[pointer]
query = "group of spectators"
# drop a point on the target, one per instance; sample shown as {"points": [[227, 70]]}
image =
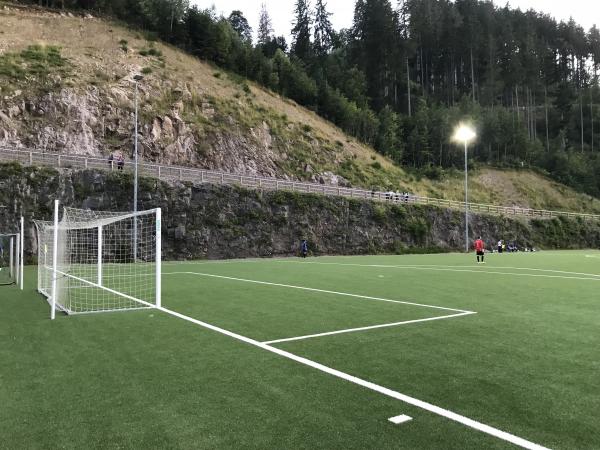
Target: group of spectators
{"points": [[398, 196], [116, 158], [512, 247]]}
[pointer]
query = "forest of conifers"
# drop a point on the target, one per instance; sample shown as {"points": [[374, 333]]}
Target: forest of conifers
{"points": [[405, 73]]}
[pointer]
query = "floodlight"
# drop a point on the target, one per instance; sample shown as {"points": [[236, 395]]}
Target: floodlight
{"points": [[464, 133]]}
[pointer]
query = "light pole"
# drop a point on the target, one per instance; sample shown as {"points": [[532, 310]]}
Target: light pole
{"points": [[465, 134], [136, 78]]}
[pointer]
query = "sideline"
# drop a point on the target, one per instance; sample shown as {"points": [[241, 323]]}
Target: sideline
{"points": [[589, 276]]}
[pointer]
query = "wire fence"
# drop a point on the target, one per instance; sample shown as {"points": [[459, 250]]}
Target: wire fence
{"points": [[176, 173]]}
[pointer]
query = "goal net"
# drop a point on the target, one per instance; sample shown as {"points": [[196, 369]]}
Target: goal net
{"points": [[9, 258], [93, 261]]}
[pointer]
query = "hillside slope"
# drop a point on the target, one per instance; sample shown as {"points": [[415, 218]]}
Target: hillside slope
{"points": [[66, 84]]}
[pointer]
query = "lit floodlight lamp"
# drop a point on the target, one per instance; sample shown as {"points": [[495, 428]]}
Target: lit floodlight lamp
{"points": [[464, 133]]}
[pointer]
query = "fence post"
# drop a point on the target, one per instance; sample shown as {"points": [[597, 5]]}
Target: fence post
{"points": [[159, 172], [202, 176], [31, 158], [58, 161], [86, 163], [180, 175], [222, 178]]}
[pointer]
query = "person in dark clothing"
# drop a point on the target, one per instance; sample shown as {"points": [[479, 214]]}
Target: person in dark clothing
{"points": [[111, 159], [480, 250], [304, 248]]}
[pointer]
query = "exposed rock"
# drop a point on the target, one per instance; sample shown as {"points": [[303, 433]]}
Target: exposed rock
{"points": [[208, 111], [205, 221], [332, 179], [95, 120], [14, 111]]}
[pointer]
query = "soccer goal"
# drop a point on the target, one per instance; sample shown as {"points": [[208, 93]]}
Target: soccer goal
{"points": [[93, 261], [11, 258]]}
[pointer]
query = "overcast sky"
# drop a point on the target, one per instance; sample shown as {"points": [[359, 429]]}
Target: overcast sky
{"points": [[585, 12]]}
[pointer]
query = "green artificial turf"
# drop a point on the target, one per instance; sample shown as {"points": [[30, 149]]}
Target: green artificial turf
{"points": [[527, 363]]}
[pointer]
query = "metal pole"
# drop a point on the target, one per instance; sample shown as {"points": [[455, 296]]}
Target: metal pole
{"points": [[21, 262], [18, 252], [466, 202], [100, 255], [158, 257], [11, 259], [54, 261], [135, 178]]}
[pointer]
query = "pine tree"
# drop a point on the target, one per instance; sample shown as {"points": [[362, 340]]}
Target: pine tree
{"points": [[374, 29], [301, 46], [323, 31], [240, 24], [265, 27]]}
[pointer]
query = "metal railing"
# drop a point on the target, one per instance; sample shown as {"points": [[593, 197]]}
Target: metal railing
{"points": [[177, 173]]}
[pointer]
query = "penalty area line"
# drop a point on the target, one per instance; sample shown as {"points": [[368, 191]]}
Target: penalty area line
{"points": [[372, 327], [324, 291], [503, 435]]}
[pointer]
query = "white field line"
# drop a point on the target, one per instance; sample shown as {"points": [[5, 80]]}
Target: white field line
{"points": [[324, 291], [218, 261], [591, 277], [369, 385], [372, 327], [400, 419], [511, 268]]}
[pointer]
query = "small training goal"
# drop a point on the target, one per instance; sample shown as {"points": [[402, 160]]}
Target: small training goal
{"points": [[11, 258], [92, 261]]}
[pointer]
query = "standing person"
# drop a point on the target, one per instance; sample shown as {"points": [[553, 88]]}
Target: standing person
{"points": [[500, 246], [304, 248], [110, 161], [480, 250]]}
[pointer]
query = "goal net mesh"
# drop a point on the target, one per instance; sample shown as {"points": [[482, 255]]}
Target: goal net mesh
{"points": [[106, 261], [8, 258]]}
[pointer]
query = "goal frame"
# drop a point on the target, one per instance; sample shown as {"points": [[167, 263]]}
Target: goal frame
{"points": [[55, 273], [16, 247]]}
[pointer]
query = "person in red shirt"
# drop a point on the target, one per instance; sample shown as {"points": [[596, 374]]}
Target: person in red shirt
{"points": [[480, 250]]}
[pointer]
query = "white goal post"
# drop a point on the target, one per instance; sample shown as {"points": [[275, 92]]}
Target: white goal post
{"points": [[92, 261], [11, 257]]}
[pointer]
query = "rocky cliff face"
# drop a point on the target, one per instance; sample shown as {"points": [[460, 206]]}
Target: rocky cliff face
{"points": [[67, 84], [205, 221]]}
